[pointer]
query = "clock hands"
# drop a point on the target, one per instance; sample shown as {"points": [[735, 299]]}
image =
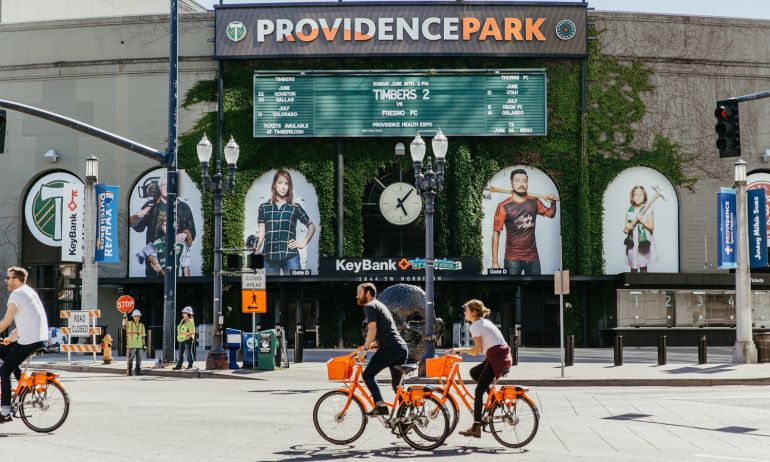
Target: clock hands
{"points": [[401, 202]]}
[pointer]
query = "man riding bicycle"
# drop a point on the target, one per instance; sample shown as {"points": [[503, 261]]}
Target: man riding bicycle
{"points": [[383, 335], [26, 309]]}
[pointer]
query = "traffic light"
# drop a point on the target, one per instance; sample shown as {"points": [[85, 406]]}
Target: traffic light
{"points": [[256, 261], [2, 130], [233, 262], [728, 128]]}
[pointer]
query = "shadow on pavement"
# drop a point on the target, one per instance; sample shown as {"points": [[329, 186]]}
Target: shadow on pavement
{"points": [[288, 392], [709, 370], [646, 418], [308, 452]]}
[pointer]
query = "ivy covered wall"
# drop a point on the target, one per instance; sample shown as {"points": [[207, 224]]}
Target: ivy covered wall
{"points": [[581, 167]]}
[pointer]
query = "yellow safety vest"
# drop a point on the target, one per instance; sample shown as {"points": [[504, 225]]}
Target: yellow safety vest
{"points": [[184, 327], [135, 334]]}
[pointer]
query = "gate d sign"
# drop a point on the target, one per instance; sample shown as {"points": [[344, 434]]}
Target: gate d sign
{"points": [[79, 324]]}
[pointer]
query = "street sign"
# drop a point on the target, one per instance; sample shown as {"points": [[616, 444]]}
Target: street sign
{"points": [[254, 301], [79, 324], [561, 284], [253, 281], [125, 304], [500, 103]]}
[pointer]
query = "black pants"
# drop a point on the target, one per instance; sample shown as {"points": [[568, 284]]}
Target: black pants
{"points": [[483, 375], [387, 356], [4, 350], [12, 361], [189, 345]]}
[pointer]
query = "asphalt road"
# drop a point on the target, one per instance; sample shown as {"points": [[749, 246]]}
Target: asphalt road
{"points": [[158, 418]]}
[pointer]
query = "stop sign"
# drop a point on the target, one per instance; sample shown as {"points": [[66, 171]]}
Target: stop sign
{"points": [[125, 304]]}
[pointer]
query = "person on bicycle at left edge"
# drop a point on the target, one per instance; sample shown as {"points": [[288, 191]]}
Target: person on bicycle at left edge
{"points": [[383, 335], [26, 309]]}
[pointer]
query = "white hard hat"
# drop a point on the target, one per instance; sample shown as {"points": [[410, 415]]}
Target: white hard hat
{"points": [[136, 313], [187, 309]]}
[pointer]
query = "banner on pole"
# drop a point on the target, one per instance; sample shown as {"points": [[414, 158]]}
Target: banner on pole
{"points": [[726, 258], [757, 228], [107, 223], [72, 222]]}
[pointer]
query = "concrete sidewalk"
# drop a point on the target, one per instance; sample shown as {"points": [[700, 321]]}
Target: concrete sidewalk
{"points": [[537, 367]]}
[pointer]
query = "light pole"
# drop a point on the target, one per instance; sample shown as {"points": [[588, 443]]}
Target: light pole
{"points": [[744, 350], [217, 358], [428, 184], [89, 275]]}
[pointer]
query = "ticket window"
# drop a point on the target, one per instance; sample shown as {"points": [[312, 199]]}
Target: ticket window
{"points": [[720, 308], [760, 313], [630, 308], [655, 310]]}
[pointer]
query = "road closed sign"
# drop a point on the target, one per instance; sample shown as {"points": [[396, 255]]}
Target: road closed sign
{"points": [[79, 323], [126, 304]]}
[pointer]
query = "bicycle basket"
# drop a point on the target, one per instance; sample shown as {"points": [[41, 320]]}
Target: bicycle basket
{"points": [[441, 366], [340, 368]]}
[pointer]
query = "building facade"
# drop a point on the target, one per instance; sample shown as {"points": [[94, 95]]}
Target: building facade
{"points": [[633, 109]]}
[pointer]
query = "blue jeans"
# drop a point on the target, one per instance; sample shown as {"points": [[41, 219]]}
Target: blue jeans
{"points": [[275, 267], [515, 267], [188, 344], [135, 353], [388, 356]]}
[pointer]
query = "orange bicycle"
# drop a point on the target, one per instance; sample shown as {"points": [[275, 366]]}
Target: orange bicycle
{"points": [[509, 413], [340, 416], [39, 399]]}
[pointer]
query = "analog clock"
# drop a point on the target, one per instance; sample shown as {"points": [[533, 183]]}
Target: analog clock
{"points": [[400, 203]]}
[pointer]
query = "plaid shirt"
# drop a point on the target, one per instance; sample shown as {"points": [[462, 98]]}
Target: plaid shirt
{"points": [[280, 227]]}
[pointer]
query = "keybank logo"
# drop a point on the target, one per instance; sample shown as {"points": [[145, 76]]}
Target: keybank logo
{"points": [[46, 206], [236, 31], [366, 265]]}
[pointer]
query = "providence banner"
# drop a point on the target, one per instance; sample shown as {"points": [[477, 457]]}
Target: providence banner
{"points": [[107, 223], [726, 229]]}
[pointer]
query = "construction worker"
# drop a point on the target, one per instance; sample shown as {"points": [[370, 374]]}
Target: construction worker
{"points": [[185, 335], [136, 336]]}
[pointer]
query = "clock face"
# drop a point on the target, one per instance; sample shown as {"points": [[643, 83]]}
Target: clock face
{"points": [[400, 203]]}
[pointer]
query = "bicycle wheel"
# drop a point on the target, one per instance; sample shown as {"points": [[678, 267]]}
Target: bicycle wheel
{"points": [[514, 423], [453, 410], [44, 409], [424, 427], [334, 427]]}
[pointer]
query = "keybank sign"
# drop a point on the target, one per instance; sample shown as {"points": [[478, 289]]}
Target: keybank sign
{"points": [[495, 29], [395, 266]]}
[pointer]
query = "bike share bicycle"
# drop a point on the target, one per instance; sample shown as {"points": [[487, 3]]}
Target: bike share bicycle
{"points": [[39, 399], [509, 414], [340, 416]]}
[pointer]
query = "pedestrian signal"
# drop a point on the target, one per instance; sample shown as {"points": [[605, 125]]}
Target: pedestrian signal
{"points": [[234, 262], [728, 128], [256, 261]]}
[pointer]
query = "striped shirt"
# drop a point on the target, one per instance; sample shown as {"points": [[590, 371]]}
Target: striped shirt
{"points": [[281, 227]]}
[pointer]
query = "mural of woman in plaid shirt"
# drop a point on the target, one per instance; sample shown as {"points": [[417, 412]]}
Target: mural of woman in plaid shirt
{"points": [[277, 227]]}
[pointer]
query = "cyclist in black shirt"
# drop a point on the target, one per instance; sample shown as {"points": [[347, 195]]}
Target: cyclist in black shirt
{"points": [[383, 335]]}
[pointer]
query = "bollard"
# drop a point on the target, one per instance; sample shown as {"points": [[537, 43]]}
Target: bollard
{"points": [[122, 341], [619, 350], [662, 350], [514, 354], [150, 347], [569, 355], [702, 350], [298, 347]]}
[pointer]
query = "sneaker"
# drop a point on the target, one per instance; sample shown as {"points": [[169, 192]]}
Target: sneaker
{"points": [[139, 372], [177, 368], [129, 373], [5, 418], [379, 411]]}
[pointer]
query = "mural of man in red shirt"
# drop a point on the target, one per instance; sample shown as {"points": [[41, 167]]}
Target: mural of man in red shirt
{"points": [[518, 214]]}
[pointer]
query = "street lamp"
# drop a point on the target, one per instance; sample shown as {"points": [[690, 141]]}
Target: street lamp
{"points": [[428, 184], [744, 350], [89, 275], [217, 358]]}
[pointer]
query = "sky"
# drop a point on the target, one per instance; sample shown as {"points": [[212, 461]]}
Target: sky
{"points": [[757, 9]]}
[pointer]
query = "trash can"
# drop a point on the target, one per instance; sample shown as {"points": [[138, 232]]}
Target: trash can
{"points": [[247, 347], [762, 341], [233, 344], [266, 349]]}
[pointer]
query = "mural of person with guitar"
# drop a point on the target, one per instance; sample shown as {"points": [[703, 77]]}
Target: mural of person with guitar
{"points": [[639, 228]]}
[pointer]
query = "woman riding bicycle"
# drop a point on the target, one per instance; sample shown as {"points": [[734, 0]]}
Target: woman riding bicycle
{"points": [[488, 339]]}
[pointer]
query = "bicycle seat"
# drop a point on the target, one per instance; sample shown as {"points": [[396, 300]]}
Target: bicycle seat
{"points": [[406, 368]]}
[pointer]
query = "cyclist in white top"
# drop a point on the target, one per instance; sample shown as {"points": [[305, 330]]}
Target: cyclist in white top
{"points": [[26, 309], [487, 339]]}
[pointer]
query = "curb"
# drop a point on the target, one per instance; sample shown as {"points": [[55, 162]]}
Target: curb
{"points": [[554, 382]]}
